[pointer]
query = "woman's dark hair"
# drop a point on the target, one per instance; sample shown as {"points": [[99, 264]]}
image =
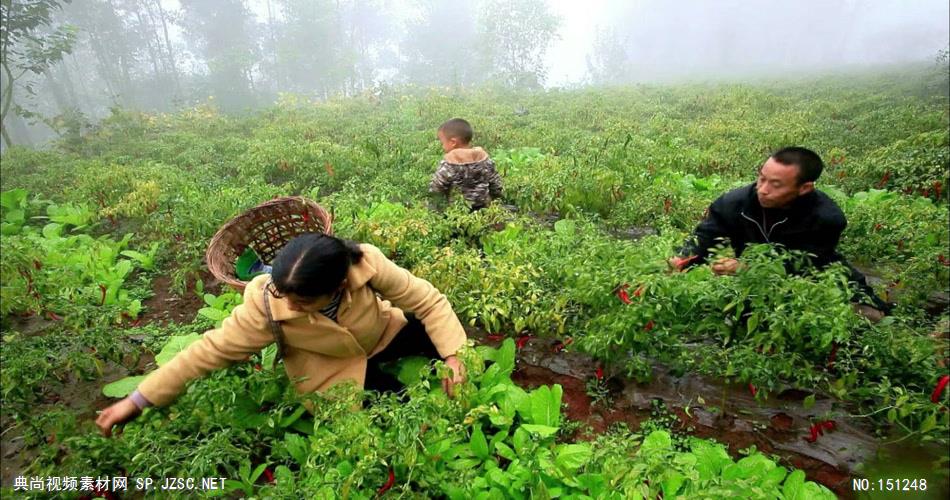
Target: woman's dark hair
{"points": [[313, 264]]}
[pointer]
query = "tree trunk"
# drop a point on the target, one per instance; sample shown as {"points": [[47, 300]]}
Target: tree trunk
{"points": [[7, 102], [169, 50], [6, 136]]}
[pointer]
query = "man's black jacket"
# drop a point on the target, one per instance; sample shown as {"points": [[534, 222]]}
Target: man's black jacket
{"points": [[813, 224]]}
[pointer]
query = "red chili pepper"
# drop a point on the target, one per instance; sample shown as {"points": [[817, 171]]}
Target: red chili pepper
{"points": [[814, 432], [306, 216], [103, 290], [389, 483], [638, 292], [649, 326], [37, 264], [268, 475], [681, 262], [884, 178], [137, 322], [667, 204], [833, 355], [522, 340], [818, 429], [560, 345], [938, 189], [878, 226], [257, 367], [926, 192], [599, 373], [623, 296], [53, 316], [753, 390], [941, 385], [900, 245], [496, 337], [943, 260]]}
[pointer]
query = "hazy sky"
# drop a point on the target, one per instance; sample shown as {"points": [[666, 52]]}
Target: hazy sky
{"points": [[690, 37], [686, 38]]}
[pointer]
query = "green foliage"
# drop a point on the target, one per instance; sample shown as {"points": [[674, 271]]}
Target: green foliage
{"points": [[600, 186], [219, 307]]}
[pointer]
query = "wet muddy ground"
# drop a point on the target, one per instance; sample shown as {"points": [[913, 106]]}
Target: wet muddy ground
{"points": [[702, 407], [728, 413]]}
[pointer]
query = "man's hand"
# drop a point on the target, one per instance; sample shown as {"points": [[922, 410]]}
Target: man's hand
{"points": [[725, 266], [458, 375], [118, 413], [873, 315]]}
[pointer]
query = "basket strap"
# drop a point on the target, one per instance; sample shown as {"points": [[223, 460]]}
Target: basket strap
{"points": [[276, 330]]}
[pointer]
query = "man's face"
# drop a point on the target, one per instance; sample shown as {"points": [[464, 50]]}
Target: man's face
{"points": [[448, 143], [778, 187]]}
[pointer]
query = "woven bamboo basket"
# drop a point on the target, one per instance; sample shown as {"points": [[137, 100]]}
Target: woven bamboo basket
{"points": [[265, 228]]}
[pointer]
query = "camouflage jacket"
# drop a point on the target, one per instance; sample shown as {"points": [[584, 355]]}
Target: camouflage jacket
{"points": [[472, 172]]}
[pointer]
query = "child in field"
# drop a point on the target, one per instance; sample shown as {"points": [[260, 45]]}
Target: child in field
{"points": [[467, 168]]}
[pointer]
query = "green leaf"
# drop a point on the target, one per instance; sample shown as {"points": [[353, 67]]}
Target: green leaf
{"points": [[794, 484], [545, 405], [411, 368], [123, 387], [245, 414], [672, 483], [929, 423], [16, 216], [175, 345], [7, 229], [213, 314], [52, 231], [710, 458], [541, 430], [14, 198], [595, 484], [505, 359], [297, 447], [478, 443], [293, 417], [565, 227], [505, 451], [809, 401], [521, 440], [572, 456], [774, 477], [656, 441], [257, 472]]}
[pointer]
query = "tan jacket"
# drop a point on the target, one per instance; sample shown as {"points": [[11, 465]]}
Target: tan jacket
{"points": [[320, 350]]}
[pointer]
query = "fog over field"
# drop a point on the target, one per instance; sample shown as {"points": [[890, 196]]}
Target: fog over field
{"points": [[160, 55]]}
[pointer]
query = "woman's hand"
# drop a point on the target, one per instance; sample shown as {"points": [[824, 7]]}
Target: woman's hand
{"points": [[458, 375], [118, 413]]}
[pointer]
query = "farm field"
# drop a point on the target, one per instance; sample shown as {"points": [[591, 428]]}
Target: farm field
{"points": [[595, 372]]}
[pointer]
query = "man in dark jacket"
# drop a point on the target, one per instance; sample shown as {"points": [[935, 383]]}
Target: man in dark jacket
{"points": [[781, 207]]}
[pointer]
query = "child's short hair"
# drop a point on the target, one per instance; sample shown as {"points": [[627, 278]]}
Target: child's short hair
{"points": [[457, 128]]}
